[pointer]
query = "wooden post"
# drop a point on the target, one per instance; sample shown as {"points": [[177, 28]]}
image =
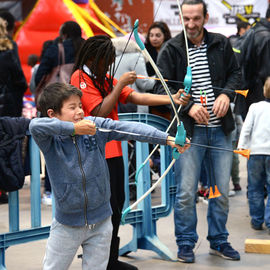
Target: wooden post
{"points": [[257, 246]]}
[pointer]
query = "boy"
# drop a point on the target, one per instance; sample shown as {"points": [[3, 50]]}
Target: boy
{"points": [[255, 135], [79, 175]]}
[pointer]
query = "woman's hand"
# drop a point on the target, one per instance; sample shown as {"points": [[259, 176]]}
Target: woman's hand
{"points": [[181, 97]]}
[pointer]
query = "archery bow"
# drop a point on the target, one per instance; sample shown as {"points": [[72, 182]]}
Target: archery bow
{"points": [[187, 84], [180, 137]]}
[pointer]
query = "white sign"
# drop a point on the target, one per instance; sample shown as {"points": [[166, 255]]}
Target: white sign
{"points": [[222, 14]]}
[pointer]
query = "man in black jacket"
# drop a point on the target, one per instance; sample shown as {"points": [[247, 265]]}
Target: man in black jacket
{"points": [[213, 65], [255, 58]]}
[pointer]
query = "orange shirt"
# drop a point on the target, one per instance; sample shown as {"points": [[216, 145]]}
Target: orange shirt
{"points": [[91, 98]]}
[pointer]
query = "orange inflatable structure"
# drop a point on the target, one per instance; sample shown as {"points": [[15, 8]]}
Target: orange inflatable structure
{"points": [[44, 21]]}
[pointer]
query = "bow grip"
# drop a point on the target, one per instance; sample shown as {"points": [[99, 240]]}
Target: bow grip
{"points": [[188, 80], [180, 139]]}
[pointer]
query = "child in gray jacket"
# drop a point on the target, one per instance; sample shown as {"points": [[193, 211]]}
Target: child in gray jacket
{"points": [[74, 151], [255, 136]]}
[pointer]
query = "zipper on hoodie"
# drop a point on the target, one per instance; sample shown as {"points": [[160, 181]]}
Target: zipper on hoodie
{"points": [[83, 180]]}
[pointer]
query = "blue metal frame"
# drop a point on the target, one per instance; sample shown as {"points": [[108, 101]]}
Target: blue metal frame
{"points": [[144, 218]]}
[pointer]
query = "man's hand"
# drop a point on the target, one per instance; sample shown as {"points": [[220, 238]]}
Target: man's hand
{"points": [[181, 150], [85, 127], [181, 97], [221, 105], [199, 114]]}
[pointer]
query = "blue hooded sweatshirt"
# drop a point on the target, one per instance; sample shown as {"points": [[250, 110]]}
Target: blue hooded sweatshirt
{"points": [[77, 167]]}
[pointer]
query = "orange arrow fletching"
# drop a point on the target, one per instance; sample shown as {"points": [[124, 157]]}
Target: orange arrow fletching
{"points": [[244, 153], [242, 92], [214, 194], [217, 193], [211, 194]]}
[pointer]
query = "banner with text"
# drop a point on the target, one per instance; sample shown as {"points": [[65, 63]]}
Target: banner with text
{"points": [[223, 15]]}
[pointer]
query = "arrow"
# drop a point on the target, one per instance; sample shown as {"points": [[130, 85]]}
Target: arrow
{"points": [[245, 153], [241, 92]]}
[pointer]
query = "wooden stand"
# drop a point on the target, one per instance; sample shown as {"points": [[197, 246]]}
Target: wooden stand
{"points": [[257, 246]]}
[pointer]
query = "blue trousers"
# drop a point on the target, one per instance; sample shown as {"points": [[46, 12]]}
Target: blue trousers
{"points": [[187, 174], [258, 177]]}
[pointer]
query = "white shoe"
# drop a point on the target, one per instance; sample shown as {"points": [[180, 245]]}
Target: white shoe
{"points": [[47, 198], [231, 193]]}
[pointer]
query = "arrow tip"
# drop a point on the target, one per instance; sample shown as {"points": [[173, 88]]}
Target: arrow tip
{"points": [[245, 153], [242, 92]]}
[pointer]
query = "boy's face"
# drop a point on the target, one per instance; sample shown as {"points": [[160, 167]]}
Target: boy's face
{"points": [[71, 110]]}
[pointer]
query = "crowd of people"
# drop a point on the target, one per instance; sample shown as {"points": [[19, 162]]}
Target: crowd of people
{"points": [[101, 81]]}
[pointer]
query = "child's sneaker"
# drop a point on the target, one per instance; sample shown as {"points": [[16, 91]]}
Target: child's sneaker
{"points": [[47, 198]]}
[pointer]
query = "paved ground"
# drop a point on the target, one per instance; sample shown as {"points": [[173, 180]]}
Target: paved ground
{"points": [[29, 256]]}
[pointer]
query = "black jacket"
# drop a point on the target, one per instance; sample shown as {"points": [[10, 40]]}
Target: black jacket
{"points": [[12, 133], [224, 71], [12, 84], [254, 59]]}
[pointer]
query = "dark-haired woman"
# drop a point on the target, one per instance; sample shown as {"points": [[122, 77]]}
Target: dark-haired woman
{"points": [[94, 70], [158, 33]]}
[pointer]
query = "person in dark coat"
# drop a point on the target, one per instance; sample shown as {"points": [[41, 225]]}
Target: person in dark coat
{"points": [[255, 59], [12, 81], [70, 35]]}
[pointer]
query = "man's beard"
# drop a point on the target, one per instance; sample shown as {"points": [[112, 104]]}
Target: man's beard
{"points": [[194, 35]]}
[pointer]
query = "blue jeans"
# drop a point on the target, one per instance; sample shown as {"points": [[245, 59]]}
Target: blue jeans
{"points": [[64, 242], [187, 175], [258, 177]]}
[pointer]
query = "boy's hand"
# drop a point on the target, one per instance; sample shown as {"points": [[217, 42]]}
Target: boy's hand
{"points": [[181, 150], [181, 97], [85, 127], [127, 78]]}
